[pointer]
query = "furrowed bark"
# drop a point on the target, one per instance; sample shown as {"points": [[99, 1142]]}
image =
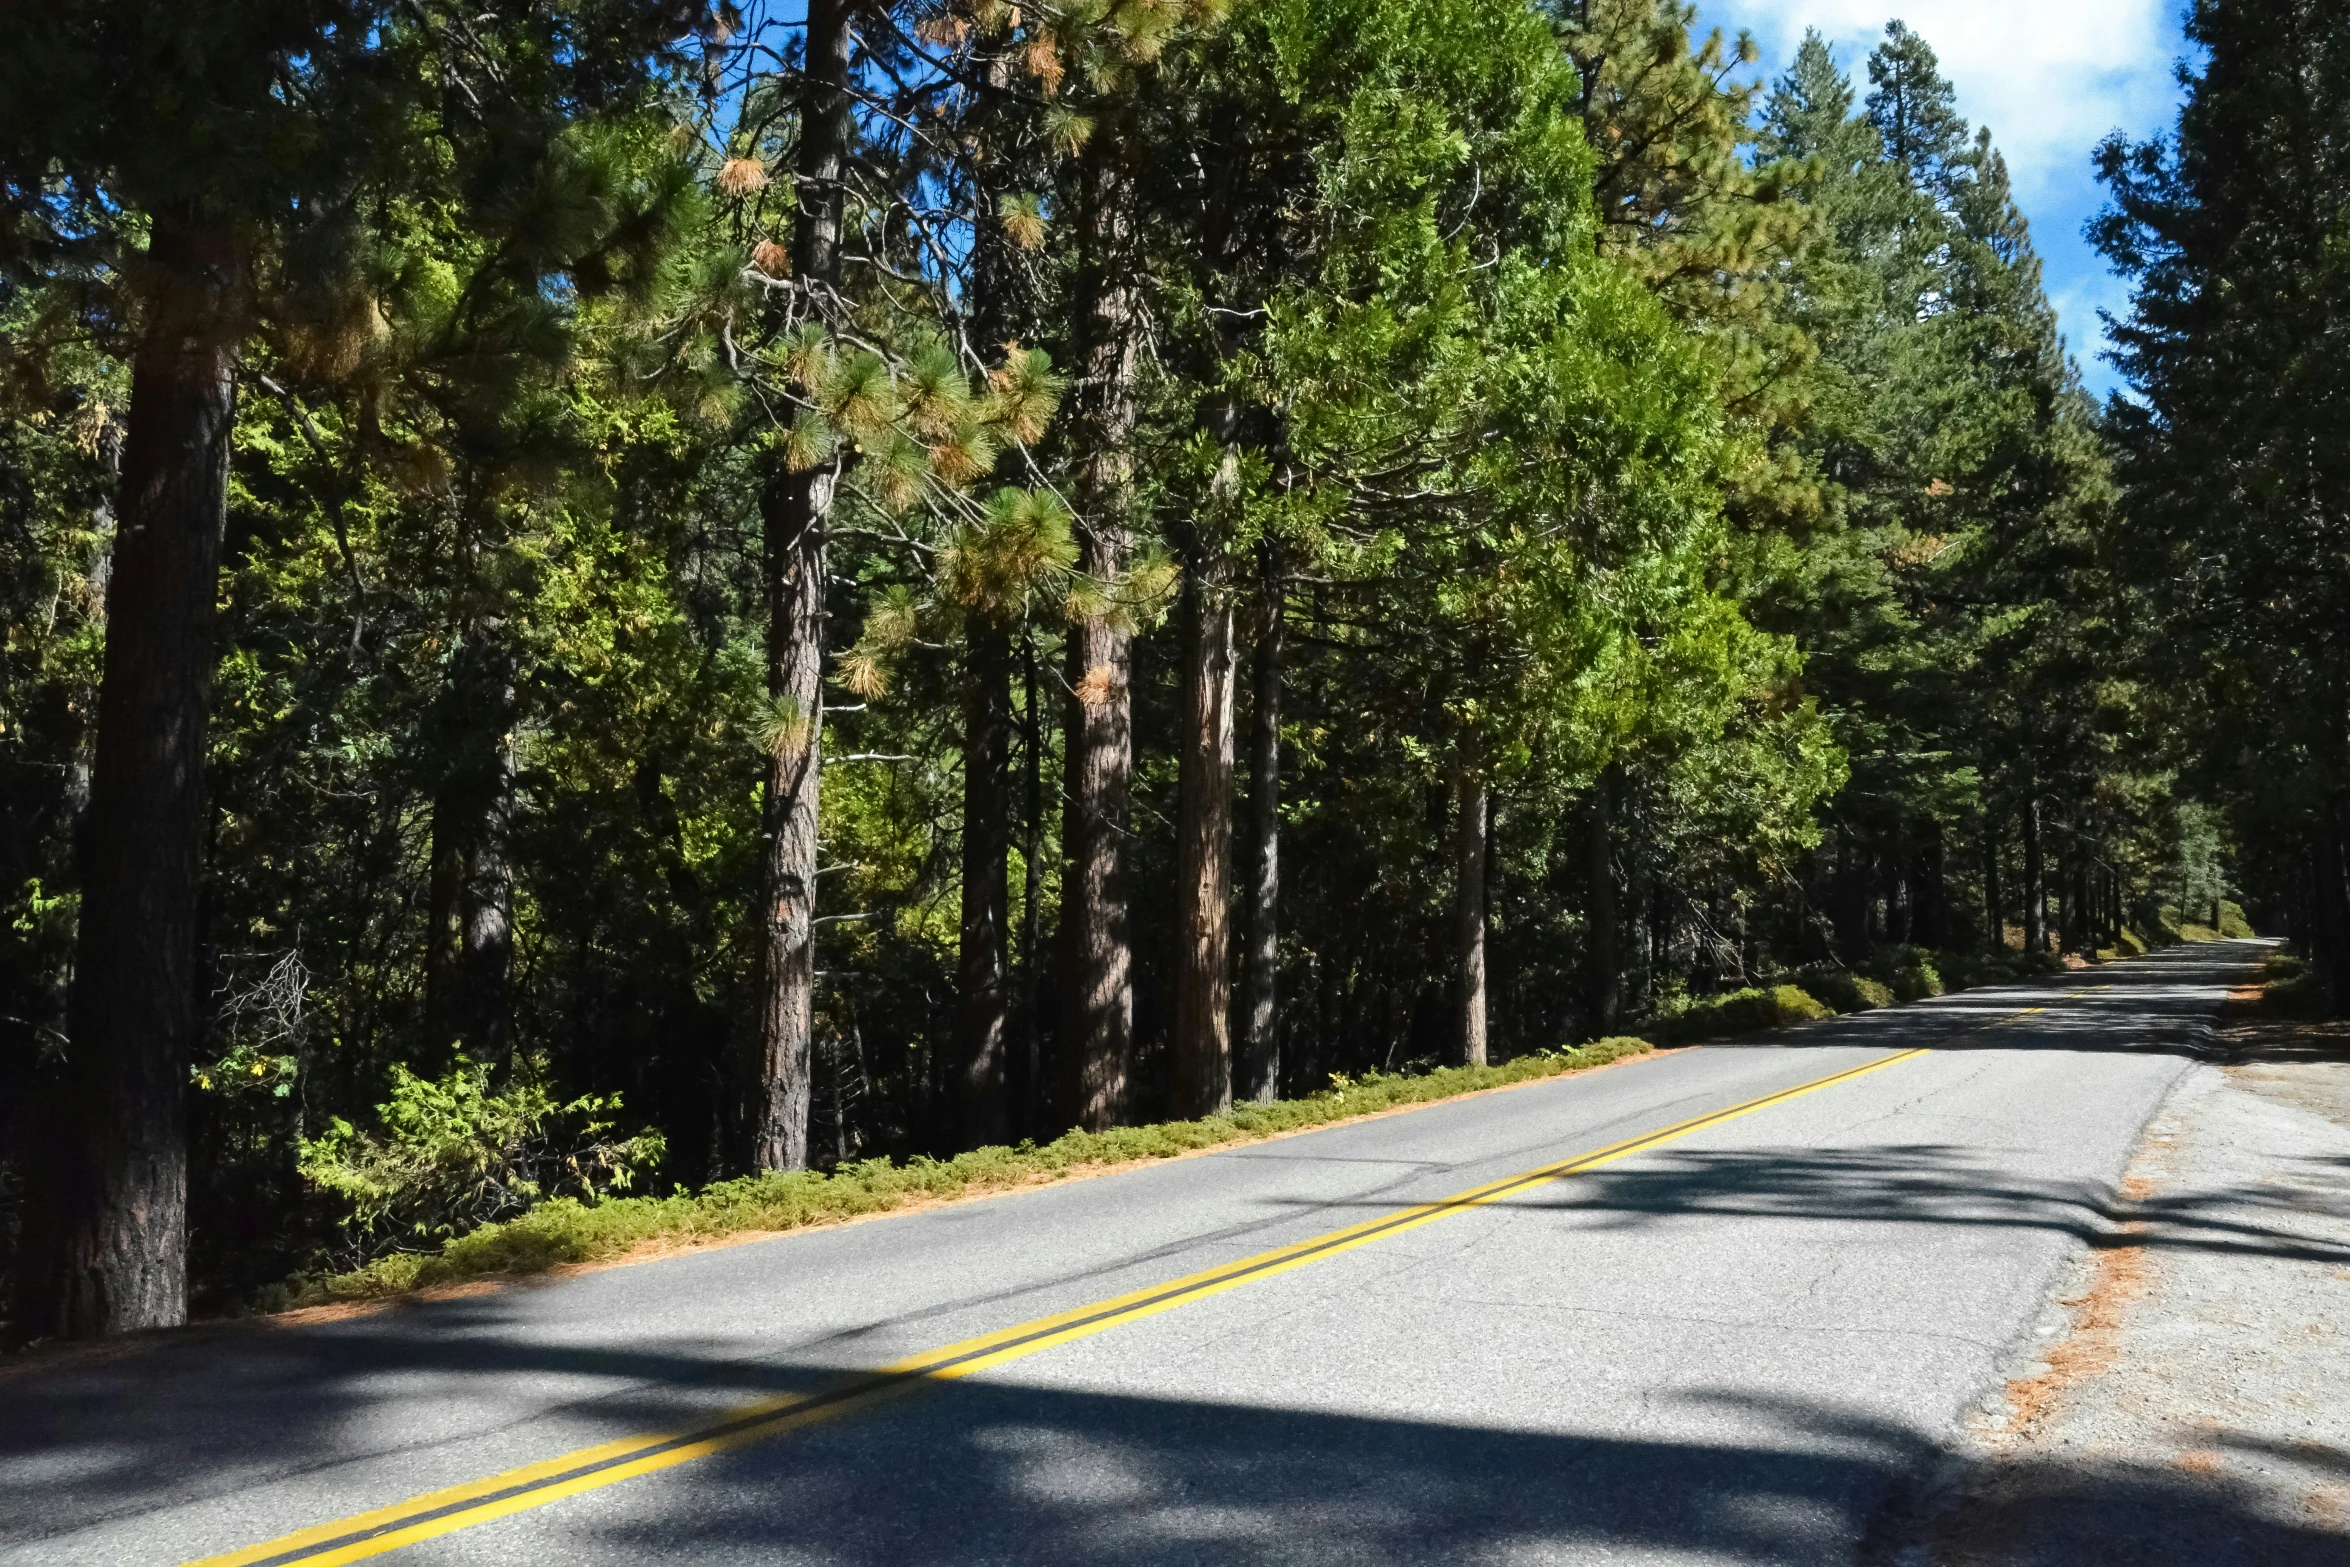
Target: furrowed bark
{"points": [[795, 508], [1203, 852], [1097, 992], [987, 843], [1471, 803], [120, 1237], [1260, 1042]]}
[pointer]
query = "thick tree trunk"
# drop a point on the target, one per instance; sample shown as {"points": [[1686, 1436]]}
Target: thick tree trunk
{"points": [[794, 509], [119, 1257], [980, 1024], [1471, 802], [1203, 847], [1097, 992], [2035, 882], [1260, 1043], [1607, 966]]}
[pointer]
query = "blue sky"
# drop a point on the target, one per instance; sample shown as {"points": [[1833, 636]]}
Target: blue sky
{"points": [[2050, 77]]}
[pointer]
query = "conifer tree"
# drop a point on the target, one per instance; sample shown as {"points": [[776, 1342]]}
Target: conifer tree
{"points": [[277, 121]]}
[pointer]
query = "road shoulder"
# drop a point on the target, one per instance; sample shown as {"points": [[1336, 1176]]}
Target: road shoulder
{"points": [[2185, 1402]]}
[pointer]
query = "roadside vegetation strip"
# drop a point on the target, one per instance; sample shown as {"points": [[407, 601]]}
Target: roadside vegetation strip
{"points": [[436, 1513], [566, 1231]]}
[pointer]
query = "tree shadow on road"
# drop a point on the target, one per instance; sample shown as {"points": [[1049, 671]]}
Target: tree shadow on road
{"points": [[971, 1472], [1940, 1185]]}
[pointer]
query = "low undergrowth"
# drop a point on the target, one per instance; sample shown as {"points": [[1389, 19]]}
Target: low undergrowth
{"points": [[2292, 988], [1739, 1012], [567, 1230]]}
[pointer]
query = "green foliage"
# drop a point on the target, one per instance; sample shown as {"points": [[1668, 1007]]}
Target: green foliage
{"points": [[1694, 462], [1910, 972], [450, 1154], [1745, 1011], [1841, 990]]}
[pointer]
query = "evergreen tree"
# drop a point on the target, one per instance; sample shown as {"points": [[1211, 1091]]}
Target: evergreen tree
{"points": [[249, 172], [2236, 497]]}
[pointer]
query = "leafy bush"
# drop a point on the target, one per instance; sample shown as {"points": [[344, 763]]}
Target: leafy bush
{"points": [[1908, 971], [452, 1156], [1844, 991], [1740, 1012], [2185, 927], [593, 1227]]}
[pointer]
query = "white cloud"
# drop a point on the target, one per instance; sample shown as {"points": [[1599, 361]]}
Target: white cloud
{"points": [[2050, 77]]}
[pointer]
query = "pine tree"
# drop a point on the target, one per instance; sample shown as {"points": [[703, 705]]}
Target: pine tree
{"points": [[280, 122], [2237, 503]]}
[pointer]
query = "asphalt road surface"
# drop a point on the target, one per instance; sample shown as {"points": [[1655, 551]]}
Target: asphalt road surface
{"points": [[1717, 1331]]}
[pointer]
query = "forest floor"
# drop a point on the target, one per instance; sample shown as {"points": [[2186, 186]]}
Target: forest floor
{"points": [[2186, 1403]]}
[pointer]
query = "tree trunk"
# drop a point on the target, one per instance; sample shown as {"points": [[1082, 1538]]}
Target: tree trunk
{"points": [[2332, 907], [1994, 908], [1097, 994], [987, 722], [1607, 967], [1203, 847], [1929, 915], [2035, 882], [1260, 1046], [471, 888], [1025, 1070], [119, 1257], [794, 508], [1471, 803]]}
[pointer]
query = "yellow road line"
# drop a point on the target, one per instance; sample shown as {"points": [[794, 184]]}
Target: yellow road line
{"points": [[445, 1511]]}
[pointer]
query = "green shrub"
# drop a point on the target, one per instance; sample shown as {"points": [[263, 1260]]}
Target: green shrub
{"points": [[1908, 971], [1739, 1012], [1844, 991], [570, 1229], [451, 1156]]}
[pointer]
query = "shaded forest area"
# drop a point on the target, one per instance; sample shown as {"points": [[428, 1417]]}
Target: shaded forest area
{"points": [[606, 595]]}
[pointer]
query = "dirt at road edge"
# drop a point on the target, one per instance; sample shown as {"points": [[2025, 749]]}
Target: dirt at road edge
{"points": [[2192, 1406]]}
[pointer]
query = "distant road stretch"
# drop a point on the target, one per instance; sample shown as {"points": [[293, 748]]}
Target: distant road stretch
{"points": [[1723, 1304]]}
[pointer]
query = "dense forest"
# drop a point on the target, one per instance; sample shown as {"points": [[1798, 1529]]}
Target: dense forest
{"points": [[613, 594]]}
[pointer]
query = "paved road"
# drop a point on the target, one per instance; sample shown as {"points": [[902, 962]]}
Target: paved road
{"points": [[1743, 1343]]}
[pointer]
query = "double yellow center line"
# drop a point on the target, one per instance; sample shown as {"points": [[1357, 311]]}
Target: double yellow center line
{"points": [[535, 1485]]}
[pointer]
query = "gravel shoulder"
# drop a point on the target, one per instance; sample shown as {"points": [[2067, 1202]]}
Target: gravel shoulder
{"points": [[2189, 1401]]}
